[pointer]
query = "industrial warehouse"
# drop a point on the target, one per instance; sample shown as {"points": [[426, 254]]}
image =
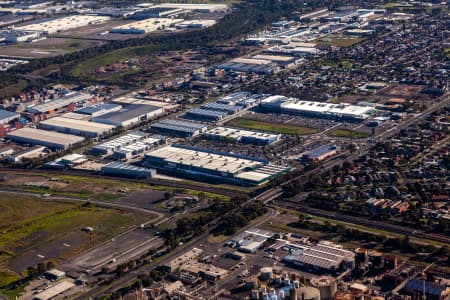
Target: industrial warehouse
{"points": [[125, 170], [77, 127], [130, 115], [282, 104], [178, 128], [146, 26], [50, 139], [210, 165], [244, 136], [62, 24], [57, 105], [8, 116], [116, 144], [324, 257]]}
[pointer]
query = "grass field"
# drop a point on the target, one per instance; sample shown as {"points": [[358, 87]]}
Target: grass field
{"points": [[349, 134], [271, 127], [84, 69], [29, 224], [340, 41]]}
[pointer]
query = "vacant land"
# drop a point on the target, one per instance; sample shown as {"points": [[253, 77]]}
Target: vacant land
{"points": [[349, 134], [271, 127], [33, 230]]}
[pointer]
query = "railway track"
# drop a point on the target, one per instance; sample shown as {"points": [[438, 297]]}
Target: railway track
{"points": [[150, 182], [364, 222]]}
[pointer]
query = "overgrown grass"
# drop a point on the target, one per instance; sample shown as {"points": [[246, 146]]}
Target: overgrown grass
{"points": [[85, 69], [350, 134], [271, 127], [27, 223], [339, 41]]}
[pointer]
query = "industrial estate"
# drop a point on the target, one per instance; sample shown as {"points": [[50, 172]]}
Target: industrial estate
{"points": [[263, 150]]}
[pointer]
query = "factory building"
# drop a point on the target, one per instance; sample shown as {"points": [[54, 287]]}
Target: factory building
{"points": [[125, 170], [32, 152], [202, 164], [229, 109], [282, 104], [131, 115], [67, 161], [195, 24], [179, 261], [321, 153], [204, 115], [234, 98], [55, 290], [8, 116], [116, 144], [200, 7], [137, 148], [323, 257], [77, 127], [146, 26], [62, 24], [99, 109], [59, 104], [194, 271], [178, 128], [50, 139], [158, 12], [244, 136], [249, 65], [13, 36]]}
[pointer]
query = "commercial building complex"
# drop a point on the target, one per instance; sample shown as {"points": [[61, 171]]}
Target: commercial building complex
{"points": [[116, 144], [50, 139], [202, 164], [346, 111], [77, 127], [321, 153], [130, 115], [137, 148], [178, 128], [244, 136]]}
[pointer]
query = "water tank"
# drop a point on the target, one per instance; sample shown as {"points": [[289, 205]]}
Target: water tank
{"points": [[307, 293], [266, 273], [326, 285]]}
